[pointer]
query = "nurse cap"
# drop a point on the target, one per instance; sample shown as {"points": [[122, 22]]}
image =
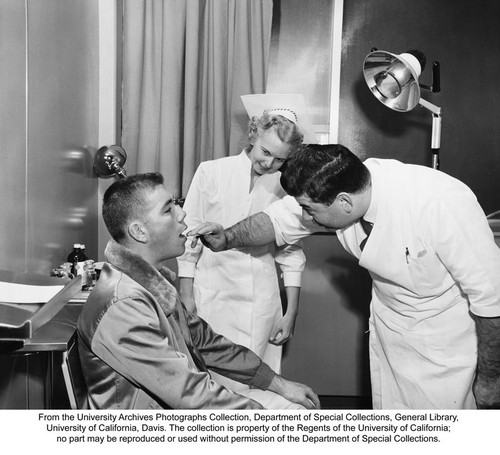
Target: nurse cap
{"points": [[291, 106]]}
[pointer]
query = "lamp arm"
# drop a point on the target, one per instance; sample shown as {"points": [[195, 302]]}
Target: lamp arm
{"points": [[430, 107], [436, 130]]}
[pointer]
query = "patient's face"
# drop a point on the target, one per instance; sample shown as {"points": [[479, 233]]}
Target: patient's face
{"points": [[164, 222], [268, 152]]}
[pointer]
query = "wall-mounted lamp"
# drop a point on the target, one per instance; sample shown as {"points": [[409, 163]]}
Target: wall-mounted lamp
{"points": [[393, 80], [109, 161]]}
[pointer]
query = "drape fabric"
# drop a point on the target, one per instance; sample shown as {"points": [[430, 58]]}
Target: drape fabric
{"points": [[185, 65]]}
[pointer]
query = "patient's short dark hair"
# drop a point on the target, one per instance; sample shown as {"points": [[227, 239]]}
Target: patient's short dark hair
{"points": [[126, 199], [321, 172]]}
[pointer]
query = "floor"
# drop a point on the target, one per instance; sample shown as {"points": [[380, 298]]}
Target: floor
{"points": [[345, 402]]}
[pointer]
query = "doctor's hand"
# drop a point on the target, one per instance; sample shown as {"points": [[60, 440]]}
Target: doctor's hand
{"points": [[487, 392], [295, 392], [212, 235], [486, 385]]}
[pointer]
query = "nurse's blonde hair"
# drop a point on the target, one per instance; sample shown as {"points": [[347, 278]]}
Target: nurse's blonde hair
{"points": [[287, 131]]}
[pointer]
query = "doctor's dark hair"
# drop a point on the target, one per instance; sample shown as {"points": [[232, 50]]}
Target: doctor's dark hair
{"points": [[125, 200], [321, 172], [287, 131]]}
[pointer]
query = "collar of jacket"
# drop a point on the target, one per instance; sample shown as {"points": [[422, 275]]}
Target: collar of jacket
{"points": [[157, 282]]}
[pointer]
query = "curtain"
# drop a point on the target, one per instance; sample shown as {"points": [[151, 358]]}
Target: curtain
{"points": [[185, 65]]}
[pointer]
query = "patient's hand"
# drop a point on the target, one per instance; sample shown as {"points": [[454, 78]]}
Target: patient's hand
{"points": [[212, 235], [295, 392]]}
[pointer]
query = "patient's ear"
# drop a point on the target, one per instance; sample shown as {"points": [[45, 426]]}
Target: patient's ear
{"points": [[138, 232]]}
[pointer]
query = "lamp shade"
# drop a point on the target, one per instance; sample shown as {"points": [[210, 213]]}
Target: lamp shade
{"points": [[393, 79], [109, 161]]}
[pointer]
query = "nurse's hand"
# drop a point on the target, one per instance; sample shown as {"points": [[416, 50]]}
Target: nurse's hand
{"points": [[282, 331], [212, 235], [295, 392]]}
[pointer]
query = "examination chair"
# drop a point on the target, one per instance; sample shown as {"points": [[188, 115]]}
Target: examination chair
{"points": [[73, 376]]}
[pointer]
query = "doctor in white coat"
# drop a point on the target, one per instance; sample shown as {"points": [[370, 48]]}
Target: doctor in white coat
{"points": [[435, 310], [237, 292]]}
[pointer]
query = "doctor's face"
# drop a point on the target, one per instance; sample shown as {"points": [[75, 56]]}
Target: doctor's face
{"points": [[268, 152], [164, 222], [333, 216]]}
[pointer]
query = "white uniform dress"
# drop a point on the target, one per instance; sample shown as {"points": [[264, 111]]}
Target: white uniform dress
{"points": [[432, 257], [237, 291]]}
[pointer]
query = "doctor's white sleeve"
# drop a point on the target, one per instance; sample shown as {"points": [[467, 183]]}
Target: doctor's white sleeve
{"points": [[194, 206], [465, 244], [286, 217]]}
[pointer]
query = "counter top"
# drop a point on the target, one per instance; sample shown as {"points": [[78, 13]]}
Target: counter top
{"points": [[55, 334]]}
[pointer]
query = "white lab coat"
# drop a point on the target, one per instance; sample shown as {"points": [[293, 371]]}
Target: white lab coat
{"points": [[237, 291], [432, 257]]}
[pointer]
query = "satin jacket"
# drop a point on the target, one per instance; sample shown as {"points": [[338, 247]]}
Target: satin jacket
{"points": [[141, 349]]}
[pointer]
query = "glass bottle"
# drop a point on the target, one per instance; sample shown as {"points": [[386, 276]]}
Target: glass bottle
{"points": [[77, 258], [89, 277], [83, 259]]}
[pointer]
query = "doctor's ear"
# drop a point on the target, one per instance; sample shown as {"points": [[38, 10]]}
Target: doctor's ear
{"points": [[138, 232], [345, 201]]}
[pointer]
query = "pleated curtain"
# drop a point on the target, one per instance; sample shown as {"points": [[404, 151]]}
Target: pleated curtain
{"points": [[185, 65]]}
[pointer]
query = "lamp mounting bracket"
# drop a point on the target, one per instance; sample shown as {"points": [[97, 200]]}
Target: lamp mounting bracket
{"points": [[435, 87]]}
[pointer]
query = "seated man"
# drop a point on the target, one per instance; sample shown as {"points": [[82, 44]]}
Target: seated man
{"points": [[139, 347]]}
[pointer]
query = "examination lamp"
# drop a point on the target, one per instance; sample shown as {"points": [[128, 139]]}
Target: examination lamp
{"points": [[393, 80], [109, 161]]}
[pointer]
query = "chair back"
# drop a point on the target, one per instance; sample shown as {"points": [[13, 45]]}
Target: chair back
{"points": [[73, 376]]}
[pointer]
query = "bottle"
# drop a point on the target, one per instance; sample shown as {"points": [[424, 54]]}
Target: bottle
{"points": [[77, 258], [73, 257], [89, 277], [66, 265], [81, 262], [67, 269]]}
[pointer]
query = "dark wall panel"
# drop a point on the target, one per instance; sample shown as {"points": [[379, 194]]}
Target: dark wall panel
{"points": [[463, 36]]}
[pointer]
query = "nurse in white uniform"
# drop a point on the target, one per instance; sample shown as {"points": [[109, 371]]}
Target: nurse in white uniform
{"points": [[435, 310], [237, 292]]}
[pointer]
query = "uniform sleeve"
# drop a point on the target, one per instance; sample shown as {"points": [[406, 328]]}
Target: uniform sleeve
{"points": [[465, 244], [130, 340], [292, 260], [194, 206], [227, 358], [286, 217]]}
